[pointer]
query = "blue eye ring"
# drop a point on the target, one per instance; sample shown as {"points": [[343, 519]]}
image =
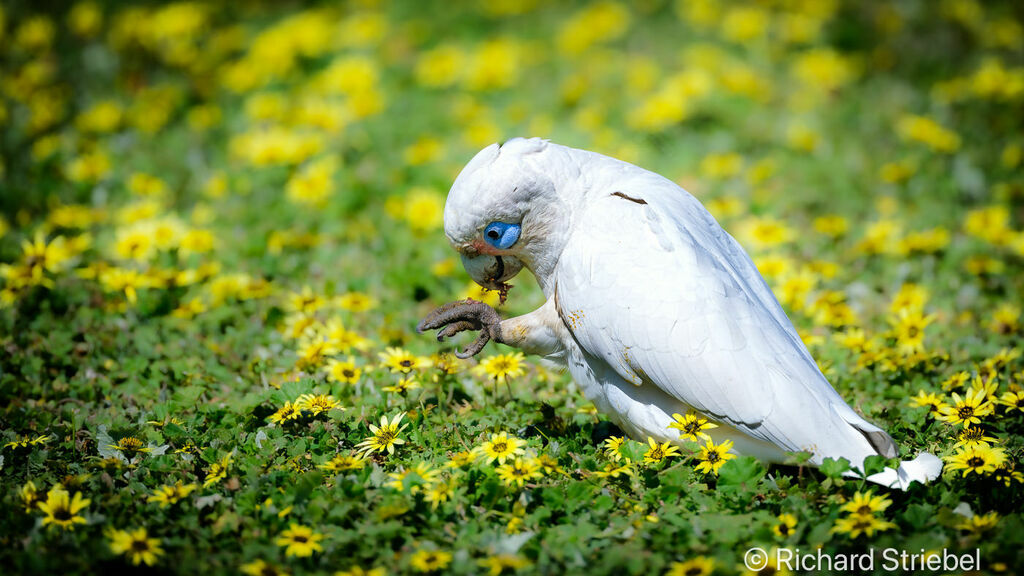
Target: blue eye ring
{"points": [[502, 235]]}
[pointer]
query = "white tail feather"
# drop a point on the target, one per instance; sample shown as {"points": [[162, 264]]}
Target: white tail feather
{"points": [[925, 468]]}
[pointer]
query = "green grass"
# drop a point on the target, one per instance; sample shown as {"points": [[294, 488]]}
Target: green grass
{"points": [[167, 269]]}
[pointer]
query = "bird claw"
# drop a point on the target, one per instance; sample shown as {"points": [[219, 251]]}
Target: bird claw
{"points": [[461, 316]]}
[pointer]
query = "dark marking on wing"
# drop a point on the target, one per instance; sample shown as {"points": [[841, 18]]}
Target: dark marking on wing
{"points": [[631, 199]]}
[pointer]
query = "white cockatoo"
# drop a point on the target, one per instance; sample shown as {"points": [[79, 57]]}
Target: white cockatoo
{"points": [[654, 308]]}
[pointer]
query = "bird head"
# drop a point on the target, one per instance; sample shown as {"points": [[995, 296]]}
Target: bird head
{"points": [[504, 211]]}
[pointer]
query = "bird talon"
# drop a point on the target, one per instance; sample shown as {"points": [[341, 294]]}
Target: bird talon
{"points": [[462, 316]]}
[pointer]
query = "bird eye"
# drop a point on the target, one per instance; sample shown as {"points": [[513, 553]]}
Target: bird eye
{"points": [[501, 234]]}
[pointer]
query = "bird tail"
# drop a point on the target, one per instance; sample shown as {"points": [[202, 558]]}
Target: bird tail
{"points": [[925, 468]]}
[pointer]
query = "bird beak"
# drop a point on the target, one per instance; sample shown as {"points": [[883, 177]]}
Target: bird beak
{"points": [[491, 272]]}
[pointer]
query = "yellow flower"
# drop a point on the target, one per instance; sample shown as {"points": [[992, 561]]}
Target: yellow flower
{"points": [[313, 185], [146, 185], [422, 473], [218, 471], [401, 361], [956, 381], [980, 459], [402, 386], [423, 151], [691, 427], [122, 280], [977, 524], [317, 403], [932, 401], [973, 436], [384, 437], [343, 371], [168, 495], [476, 292], [991, 223], [908, 327], [342, 339], [345, 463], [423, 210], [299, 541], [136, 545], [744, 24], [615, 469], [261, 568], [659, 452], [503, 366], [89, 167], [441, 66], [62, 510], [596, 23], [31, 497], [824, 69], [1005, 319], [439, 492], [356, 302], [286, 413], [801, 137], [130, 446], [721, 166], [25, 441], [85, 19], [359, 571], [699, 566], [503, 563], [430, 560], [866, 504], [857, 524], [313, 352], [831, 225], [929, 132], [897, 172], [519, 471], [1007, 474], [712, 457], [765, 232], [500, 447], [969, 409], [784, 527], [613, 447], [1013, 401], [910, 297]]}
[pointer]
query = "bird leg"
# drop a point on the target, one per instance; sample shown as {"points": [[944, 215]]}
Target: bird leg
{"points": [[462, 316]]}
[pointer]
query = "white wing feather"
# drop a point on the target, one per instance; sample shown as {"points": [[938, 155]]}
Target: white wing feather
{"points": [[654, 287]]}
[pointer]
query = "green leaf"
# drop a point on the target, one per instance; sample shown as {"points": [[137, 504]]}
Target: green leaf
{"points": [[834, 468], [741, 471]]}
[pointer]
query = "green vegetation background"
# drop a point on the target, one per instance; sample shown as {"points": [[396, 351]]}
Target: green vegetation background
{"points": [[210, 210]]}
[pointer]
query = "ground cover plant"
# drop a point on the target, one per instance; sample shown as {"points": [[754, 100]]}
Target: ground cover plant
{"points": [[221, 223]]}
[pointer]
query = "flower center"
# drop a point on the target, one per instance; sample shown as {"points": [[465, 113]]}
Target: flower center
{"points": [[140, 546]]}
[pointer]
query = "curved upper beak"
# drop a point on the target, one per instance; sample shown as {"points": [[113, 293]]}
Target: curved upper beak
{"points": [[491, 272]]}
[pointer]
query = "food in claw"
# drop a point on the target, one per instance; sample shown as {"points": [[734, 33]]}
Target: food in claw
{"points": [[653, 307]]}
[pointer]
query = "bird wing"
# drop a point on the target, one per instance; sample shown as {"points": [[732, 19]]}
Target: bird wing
{"points": [[651, 284]]}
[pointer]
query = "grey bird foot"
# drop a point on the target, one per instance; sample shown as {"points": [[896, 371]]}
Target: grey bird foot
{"points": [[461, 316]]}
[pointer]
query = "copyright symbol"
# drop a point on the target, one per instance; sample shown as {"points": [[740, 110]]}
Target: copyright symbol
{"points": [[756, 559]]}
